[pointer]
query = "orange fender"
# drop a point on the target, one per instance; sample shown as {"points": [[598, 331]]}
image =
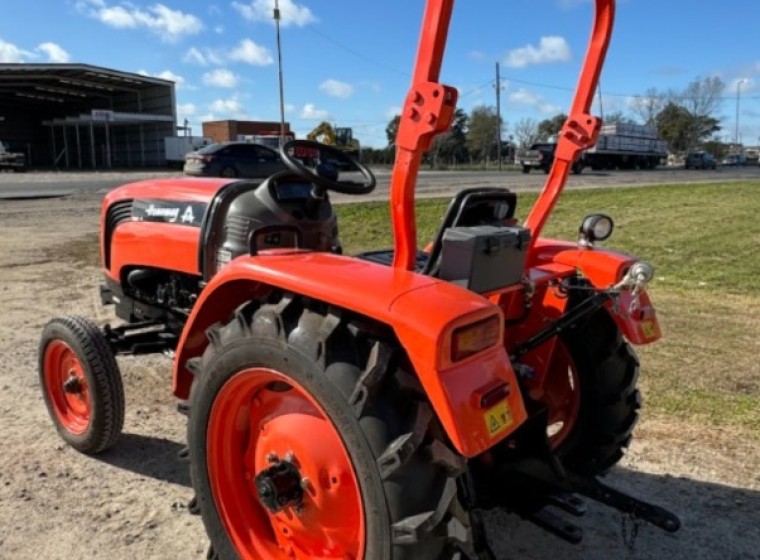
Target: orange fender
{"points": [[637, 320], [422, 311]]}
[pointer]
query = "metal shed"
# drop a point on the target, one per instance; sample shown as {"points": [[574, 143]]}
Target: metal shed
{"points": [[77, 116]]}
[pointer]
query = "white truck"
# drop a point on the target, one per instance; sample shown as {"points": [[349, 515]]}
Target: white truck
{"points": [[177, 147], [15, 161]]}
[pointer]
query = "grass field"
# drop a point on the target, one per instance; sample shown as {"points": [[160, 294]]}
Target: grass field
{"points": [[705, 243]]}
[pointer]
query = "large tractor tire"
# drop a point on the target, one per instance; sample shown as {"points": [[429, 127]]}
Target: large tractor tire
{"points": [[592, 396], [81, 384], [308, 440]]}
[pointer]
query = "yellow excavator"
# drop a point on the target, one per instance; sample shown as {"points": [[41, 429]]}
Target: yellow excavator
{"points": [[340, 137]]}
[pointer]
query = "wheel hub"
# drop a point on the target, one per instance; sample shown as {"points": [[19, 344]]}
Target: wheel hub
{"points": [[279, 486], [73, 385]]}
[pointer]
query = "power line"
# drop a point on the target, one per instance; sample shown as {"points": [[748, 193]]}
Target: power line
{"points": [[615, 94], [356, 53]]}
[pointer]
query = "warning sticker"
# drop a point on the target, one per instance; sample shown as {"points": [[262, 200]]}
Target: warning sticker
{"points": [[647, 327], [498, 419]]}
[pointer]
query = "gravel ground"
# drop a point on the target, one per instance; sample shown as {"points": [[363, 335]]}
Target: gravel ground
{"points": [[130, 503]]}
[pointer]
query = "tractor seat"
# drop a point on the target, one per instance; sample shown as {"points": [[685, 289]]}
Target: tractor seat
{"points": [[478, 206]]}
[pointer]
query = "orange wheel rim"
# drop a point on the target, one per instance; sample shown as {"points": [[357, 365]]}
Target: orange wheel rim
{"points": [[260, 417], [561, 394], [67, 388]]}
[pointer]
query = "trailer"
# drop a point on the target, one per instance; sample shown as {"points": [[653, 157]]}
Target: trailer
{"points": [[626, 146], [177, 147]]}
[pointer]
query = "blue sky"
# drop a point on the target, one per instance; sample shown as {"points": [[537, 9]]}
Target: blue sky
{"points": [[349, 62]]}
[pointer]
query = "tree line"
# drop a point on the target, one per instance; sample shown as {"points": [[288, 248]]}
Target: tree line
{"points": [[686, 119]]}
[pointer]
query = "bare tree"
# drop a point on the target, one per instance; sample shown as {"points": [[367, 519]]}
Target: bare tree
{"points": [[649, 105], [702, 98], [526, 132]]}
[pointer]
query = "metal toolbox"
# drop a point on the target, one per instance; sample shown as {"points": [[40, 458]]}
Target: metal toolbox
{"points": [[484, 258]]}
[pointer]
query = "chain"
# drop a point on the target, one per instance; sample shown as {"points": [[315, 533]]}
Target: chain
{"points": [[629, 540]]}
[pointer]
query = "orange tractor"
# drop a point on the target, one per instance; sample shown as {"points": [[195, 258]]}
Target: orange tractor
{"points": [[369, 407]]}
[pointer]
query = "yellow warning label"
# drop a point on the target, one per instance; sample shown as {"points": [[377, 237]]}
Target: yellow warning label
{"points": [[647, 327], [498, 419]]}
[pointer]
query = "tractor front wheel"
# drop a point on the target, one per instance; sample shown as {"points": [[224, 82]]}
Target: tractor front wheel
{"points": [[81, 384], [305, 443], [590, 390]]}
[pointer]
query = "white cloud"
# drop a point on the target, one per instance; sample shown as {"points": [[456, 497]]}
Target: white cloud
{"points": [[195, 56], [334, 88], [309, 111], [550, 49], [179, 81], [747, 85], [393, 112], [263, 10], [228, 107], [249, 52], [186, 110], [55, 53], [11, 53], [524, 97], [220, 77], [168, 24], [289, 108], [204, 57]]}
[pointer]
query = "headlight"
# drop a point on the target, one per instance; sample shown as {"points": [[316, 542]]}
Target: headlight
{"points": [[595, 227]]}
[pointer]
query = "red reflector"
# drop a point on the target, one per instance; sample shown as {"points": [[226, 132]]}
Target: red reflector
{"points": [[471, 339]]}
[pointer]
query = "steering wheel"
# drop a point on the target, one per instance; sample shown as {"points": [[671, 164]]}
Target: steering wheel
{"points": [[329, 162]]}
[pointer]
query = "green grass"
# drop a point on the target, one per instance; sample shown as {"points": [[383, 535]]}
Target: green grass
{"points": [[698, 236], [704, 241]]}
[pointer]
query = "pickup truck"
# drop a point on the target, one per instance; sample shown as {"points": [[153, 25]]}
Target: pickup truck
{"points": [[541, 156], [11, 160]]}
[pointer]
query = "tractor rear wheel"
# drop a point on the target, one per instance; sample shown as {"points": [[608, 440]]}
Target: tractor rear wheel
{"points": [[307, 442], [592, 397], [81, 384]]}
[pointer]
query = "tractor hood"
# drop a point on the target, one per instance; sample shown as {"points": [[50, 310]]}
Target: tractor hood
{"points": [[181, 190], [156, 223]]}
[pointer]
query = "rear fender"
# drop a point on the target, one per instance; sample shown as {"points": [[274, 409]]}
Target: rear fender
{"points": [[422, 311], [635, 317]]}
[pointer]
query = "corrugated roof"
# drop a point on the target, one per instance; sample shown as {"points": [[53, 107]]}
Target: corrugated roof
{"points": [[64, 83]]}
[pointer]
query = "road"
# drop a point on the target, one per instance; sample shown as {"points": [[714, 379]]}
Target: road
{"points": [[430, 184]]}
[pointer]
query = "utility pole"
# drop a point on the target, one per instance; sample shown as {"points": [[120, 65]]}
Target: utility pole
{"points": [[498, 114], [279, 62], [738, 97]]}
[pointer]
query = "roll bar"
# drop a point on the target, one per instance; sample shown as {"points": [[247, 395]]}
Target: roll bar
{"points": [[429, 110]]}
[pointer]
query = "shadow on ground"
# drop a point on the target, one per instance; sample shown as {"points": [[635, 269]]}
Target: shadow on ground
{"points": [[150, 457]]}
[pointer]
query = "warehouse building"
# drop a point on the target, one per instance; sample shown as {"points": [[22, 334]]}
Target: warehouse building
{"points": [[77, 116]]}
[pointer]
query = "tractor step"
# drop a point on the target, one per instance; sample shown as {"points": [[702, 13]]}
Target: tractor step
{"points": [[556, 525], [570, 503], [147, 337]]}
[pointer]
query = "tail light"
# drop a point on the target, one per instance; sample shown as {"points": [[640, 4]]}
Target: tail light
{"points": [[471, 339]]}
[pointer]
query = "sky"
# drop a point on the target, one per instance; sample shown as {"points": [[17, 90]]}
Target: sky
{"points": [[349, 61]]}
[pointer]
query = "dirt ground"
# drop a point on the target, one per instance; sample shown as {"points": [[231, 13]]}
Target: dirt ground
{"points": [[130, 503]]}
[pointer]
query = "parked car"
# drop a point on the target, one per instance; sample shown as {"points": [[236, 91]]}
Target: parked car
{"points": [[234, 159], [700, 160], [734, 159]]}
